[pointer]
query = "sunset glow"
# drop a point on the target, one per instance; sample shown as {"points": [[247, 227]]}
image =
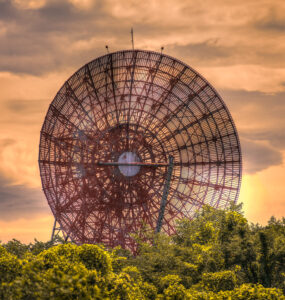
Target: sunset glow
{"points": [[239, 47]]}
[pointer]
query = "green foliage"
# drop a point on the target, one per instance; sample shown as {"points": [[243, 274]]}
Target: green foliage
{"points": [[10, 266], [219, 281], [218, 255], [252, 292], [272, 254], [17, 248]]}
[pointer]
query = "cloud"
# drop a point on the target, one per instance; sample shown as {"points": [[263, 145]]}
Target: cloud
{"points": [[205, 53], [18, 162], [238, 46], [255, 111], [272, 19], [23, 106], [18, 201], [275, 137], [218, 52], [259, 118], [24, 101], [258, 156], [40, 40], [48, 36], [246, 77], [29, 4]]}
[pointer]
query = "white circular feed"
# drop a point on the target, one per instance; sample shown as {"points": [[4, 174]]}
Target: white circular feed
{"points": [[126, 158]]}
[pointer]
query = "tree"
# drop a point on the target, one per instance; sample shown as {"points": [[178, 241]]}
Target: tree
{"points": [[217, 255]]}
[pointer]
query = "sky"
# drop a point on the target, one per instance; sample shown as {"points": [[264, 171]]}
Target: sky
{"points": [[238, 46]]}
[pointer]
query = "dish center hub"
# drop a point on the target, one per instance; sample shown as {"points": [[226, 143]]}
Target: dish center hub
{"points": [[126, 160]]}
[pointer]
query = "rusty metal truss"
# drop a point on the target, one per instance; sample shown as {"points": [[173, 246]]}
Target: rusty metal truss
{"points": [[106, 140]]}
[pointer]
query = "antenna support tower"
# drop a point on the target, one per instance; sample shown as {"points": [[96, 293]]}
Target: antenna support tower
{"points": [[58, 232]]}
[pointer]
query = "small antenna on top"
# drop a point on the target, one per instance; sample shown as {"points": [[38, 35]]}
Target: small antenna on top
{"points": [[132, 35], [107, 48], [162, 48]]}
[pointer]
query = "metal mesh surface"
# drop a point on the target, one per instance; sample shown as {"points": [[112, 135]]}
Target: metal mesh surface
{"points": [[135, 107]]}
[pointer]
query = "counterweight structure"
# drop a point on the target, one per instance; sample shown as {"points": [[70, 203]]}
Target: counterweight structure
{"points": [[107, 138]]}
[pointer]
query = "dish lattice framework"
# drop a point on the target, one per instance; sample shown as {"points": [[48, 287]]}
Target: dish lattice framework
{"points": [[107, 137]]}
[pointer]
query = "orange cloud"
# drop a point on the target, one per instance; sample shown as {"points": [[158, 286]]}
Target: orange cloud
{"points": [[23, 101], [246, 77], [29, 4]]}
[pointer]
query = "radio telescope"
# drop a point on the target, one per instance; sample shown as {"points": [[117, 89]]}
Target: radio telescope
{"points": [[132, 138]]}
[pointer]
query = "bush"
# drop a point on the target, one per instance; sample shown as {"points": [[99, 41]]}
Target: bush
{"points": [[219, 281], [253, 292], [10, 266]]}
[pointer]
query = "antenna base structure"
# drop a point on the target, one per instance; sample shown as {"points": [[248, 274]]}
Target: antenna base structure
{"points": [[57, 232]]}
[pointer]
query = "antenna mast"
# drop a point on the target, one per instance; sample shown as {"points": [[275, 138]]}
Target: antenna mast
{"points": [[132, 35]]}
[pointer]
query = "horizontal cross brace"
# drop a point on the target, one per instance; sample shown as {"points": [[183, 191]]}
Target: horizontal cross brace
{"points": [[103, 163]]}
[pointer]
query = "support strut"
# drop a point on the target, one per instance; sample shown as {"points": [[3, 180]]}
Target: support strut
{"points": [[165, 195]]}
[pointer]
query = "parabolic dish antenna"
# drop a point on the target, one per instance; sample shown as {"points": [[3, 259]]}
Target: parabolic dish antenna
{"points": [[108, 138]]}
